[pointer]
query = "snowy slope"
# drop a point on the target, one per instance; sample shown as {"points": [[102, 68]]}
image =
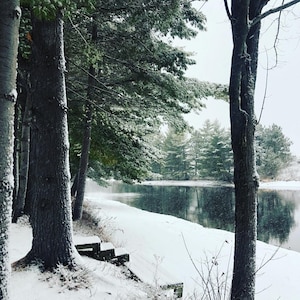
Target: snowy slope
{"points": [[185, 249], [163, 249]]}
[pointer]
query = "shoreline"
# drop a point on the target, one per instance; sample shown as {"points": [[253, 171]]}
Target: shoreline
{"points": [[264, 185]]}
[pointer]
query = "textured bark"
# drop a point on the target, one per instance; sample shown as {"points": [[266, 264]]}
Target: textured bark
{"points": [[17, 129], [9, 24], [85, 148], [51, 222], [243, 122], [23, 160], [84, 159], [30, 182]]}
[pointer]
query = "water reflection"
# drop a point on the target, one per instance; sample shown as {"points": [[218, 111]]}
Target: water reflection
{"points": [[275, 217], [214, 207], [173, 201]]}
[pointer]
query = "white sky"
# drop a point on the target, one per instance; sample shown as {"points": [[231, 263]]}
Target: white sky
{"points": [[212, 51]]}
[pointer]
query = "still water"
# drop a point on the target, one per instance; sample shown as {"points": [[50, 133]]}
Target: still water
{"points": [[278, 211]]}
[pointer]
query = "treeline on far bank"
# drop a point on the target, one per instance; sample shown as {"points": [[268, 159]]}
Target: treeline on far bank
{"points": [[206, 153]]}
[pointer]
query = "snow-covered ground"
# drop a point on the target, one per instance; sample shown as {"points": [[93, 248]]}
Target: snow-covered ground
{"points": [[273, 185], [280, 185], [163, 249]]}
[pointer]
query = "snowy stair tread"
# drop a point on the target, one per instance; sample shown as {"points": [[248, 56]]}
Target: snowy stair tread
{"points": [[92, 246], [155, 275]]}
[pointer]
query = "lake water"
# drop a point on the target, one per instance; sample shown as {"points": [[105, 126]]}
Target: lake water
{"points": [[278, 210]]}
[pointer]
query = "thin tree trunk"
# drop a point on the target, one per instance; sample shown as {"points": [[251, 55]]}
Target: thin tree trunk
{"points": [[23, 161], [19, 202], [83, 166], [51, 222], [85, 149], [9, 26], [17, 130], [30, 182]]}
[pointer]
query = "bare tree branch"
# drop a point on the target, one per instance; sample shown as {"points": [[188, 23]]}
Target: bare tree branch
{"points": [[265, 91], [277, 36], [227, 9], [273, 10]]}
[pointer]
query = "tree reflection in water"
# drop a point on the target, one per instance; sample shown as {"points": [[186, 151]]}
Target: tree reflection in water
{"points": [[214, 207], [275, 217], [173, 201]]}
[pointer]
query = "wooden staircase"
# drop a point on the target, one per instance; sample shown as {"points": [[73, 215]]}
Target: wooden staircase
{"points": [[93, 247]]}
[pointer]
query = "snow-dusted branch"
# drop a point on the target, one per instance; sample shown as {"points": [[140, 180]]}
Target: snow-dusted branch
{"points": [[273, 10]]}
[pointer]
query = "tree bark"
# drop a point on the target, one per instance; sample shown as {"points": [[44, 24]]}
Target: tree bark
{"points": [[9, 25], [84, 160], [51, 222], [243, 122], [85, 148], [20, 196], [17, 130]]}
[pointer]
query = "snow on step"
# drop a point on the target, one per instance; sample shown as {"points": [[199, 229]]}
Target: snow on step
{"points": [[106, 246], [120, 251], [93, 247], [82, 240]]}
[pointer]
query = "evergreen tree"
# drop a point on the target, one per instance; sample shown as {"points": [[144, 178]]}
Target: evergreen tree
{"points": [[158, 162], [272, 150], [140, 83], [50, 217], [213, 154], [176, 162]]}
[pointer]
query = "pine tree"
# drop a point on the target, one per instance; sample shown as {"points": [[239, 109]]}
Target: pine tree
{"points": [[176, 161], [272, 150], [50, 217], [214, 154]]}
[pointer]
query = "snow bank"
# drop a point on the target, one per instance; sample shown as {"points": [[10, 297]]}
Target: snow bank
{"points": [[163, 249], [280, 185], [187, 250]]}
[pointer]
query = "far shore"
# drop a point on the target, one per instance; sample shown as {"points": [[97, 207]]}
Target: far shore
{"points": [[264, 185]]}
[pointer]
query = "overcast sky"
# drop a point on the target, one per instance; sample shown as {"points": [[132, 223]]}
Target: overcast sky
{"points": [[212, 51]]}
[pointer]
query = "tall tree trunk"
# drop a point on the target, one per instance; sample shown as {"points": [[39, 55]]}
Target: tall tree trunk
{"points": [[85, 148], [243, 122], [84, 158], [9, 26], [51, 222], [17, 130], [23, 154], [19, 201]]}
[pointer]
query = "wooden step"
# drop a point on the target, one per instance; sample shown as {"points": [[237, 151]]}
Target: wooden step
{"points": [[121, 257], [106, 253], [93, 247], [88, 246]]}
